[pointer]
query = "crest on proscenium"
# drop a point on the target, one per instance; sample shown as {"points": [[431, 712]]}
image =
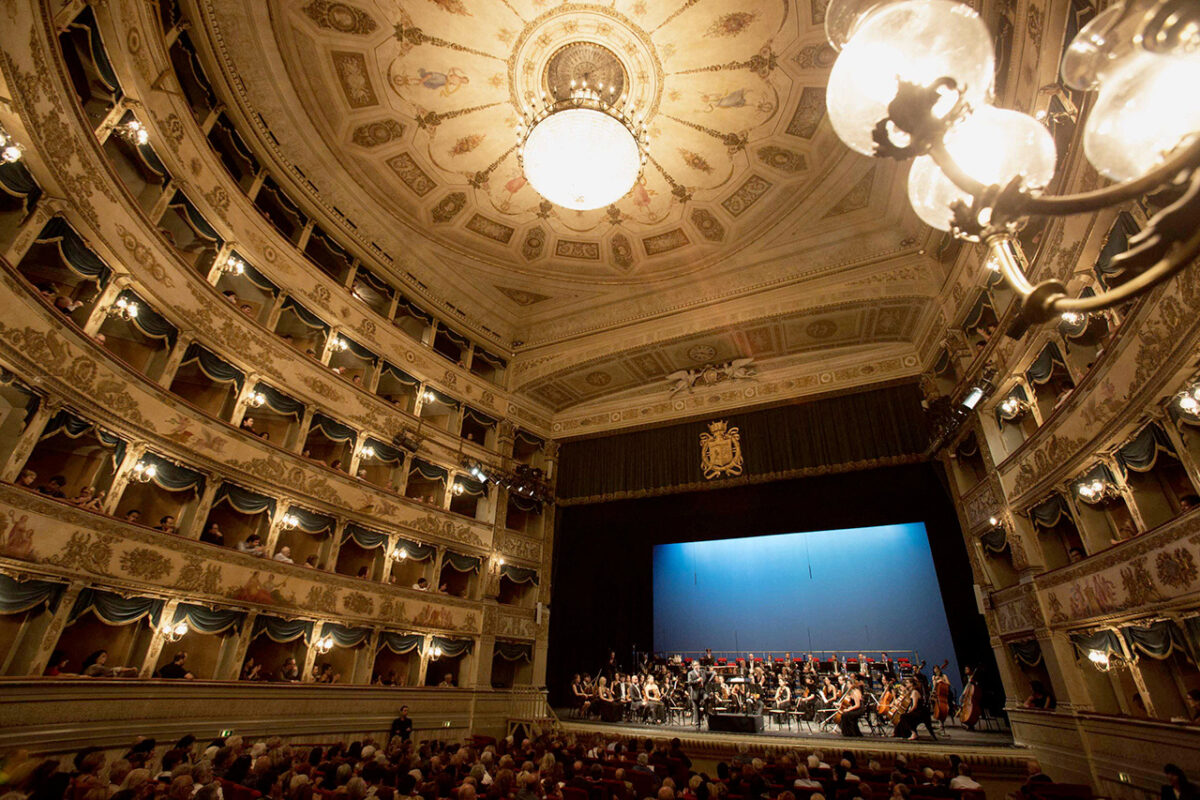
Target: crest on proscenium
{"points": [[721, 451]]}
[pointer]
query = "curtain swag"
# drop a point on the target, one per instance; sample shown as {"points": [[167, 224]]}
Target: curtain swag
{"points": [[373, 282], [75, 253], [1027, 653], [343, 636], [213, 366], [364, 537], [478, 417], [358, 350], [283, 630], [1158, 640], [312, 522], [112, 609], [255, 277], [982, 306], [17, 597], [149, 321], [174, 477], [304, 315], [68, 424], [194, 219], [445, 400], [151, 160], [415, 550], [400, 643], [1191, 628], [428, 471], [1047, 513], [384, 452], [400, 375], [519, 574], [942, 365], [18, 181], [493, 360], [1042, 369], [453, 647], [968, 447], [461, 563], [995, 540], [279, 402], [1140, 453], [114, 443], [456, 338], [526, 504], [332, 429], [514, 651], [471, 486], [528, 438], [244, 501], [413, 310], [209, 620], [1106, 641]]}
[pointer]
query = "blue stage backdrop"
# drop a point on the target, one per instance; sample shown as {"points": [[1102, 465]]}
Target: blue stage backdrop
{"points": [[859, 589]]}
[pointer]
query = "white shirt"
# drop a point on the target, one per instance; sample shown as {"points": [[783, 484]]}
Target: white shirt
{"points": [[964, 782], [420, 588], [285, 559]]}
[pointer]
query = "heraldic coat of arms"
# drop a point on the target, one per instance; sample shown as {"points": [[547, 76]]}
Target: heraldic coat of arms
{"points": [[720, 451]]}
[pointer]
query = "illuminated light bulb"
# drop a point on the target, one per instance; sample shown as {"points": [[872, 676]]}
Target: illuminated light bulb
{"points": [[1072, 318], [993, 146], [1189, 404], [1141, 115], [401, 554], [993, 521], [1098, 657], [915, 41], [257, 399], [368, 452], [10, 152]]}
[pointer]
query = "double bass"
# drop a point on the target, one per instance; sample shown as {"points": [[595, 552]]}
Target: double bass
{"points": [[941, 693], [969, 708]]}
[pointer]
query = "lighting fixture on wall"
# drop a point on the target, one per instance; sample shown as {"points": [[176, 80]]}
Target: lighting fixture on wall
{"points": [[367, 451], [399, 554], [1105, 661], [123, 308], [340, 344], [10, 151], [914, 80], [1014, 407], [289, 522], [1189, 399], [1097, 490], [134, 132], [256, 399], [234, 266], [143, 472], [458, 488], [324, 644], [173, 633], [428, 397], [584, 151], [435, 653]]}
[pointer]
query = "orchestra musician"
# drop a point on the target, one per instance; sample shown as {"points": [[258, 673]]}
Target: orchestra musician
{"points": [[851, 708], [652, 705], [782, 701], [695, 685]]}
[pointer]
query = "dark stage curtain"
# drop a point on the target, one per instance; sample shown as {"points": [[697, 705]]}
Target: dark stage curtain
{"points": [[827, 435]]}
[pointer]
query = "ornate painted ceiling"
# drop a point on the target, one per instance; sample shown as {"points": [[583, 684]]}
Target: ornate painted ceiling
{"points": [[750, 216]]}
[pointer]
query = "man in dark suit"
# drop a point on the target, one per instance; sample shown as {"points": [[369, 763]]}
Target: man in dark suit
{"points": [[695, 685]]}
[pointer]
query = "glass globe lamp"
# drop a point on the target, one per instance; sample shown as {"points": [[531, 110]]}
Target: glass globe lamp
{"points": [[1142, 114], [993, 146], [581, 158], [915, 41]]}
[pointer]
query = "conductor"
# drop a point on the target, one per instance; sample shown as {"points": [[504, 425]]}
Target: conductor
{"points": [[695, 684]]}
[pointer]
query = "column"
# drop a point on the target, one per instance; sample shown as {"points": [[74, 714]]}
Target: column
{"points": [[364, 664], [430, 333], [271, 540], [159, 639], [468, 356], [1025, 546], [210, 120], [388, 561], [1069, 687], [1139, 680], [27, 233], [404, 468], [231, 670], [356, 456], [133, 454], [328, 351], [1181, 449], [211, 484], [276, 309], [242, 407], [305, 235], [485, 648], [1126, 492], [327, 559], [372, 383], [172, 35], [435, 580], [426, 646], [40, 658], [351, 274], [218, 266], [159, 209], [302, 431], [174, 360], [489, 579], [70, 10], [99, 313], [310, 656], [29, 438], [1015, 688], [109, 123], [256, 184]]}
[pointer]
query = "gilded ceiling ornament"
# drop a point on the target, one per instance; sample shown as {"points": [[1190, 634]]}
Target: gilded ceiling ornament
{"points": [[340, 17], [720, 451], [373, 134], [739, 369], [729, 25]]}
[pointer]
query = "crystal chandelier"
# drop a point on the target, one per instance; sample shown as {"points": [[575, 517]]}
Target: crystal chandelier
{"points": [[583, 151], [914, 80]]}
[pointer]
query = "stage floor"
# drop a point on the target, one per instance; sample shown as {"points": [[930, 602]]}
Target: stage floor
{"points": [[955, 739]]}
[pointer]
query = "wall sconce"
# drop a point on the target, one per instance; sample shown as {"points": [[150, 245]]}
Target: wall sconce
{"points": [[1104, 661], [234, 266], [1073, 317], [134, 132], [289, 522], [428, 396], [143, 472], [324, 644], [1097, 490], [994, 522], [435, 653], [173, 633], [256, 399], [458, 489], [124, 309], [1189, 399], [1014, 408], [10, 151], [367, 451], [399, 554], [340, 344]]}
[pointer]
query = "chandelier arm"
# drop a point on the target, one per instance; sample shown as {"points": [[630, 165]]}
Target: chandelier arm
{"points": [[1023, 204]]}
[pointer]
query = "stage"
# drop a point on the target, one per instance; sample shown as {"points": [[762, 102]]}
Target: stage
{"points": [[981, 748]]}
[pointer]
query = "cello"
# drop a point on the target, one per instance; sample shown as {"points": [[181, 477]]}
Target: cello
{"points": [[969, 708], [941, 693]]}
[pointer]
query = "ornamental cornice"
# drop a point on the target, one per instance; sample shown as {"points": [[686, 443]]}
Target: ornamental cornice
{"points": [[80, 545]]}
